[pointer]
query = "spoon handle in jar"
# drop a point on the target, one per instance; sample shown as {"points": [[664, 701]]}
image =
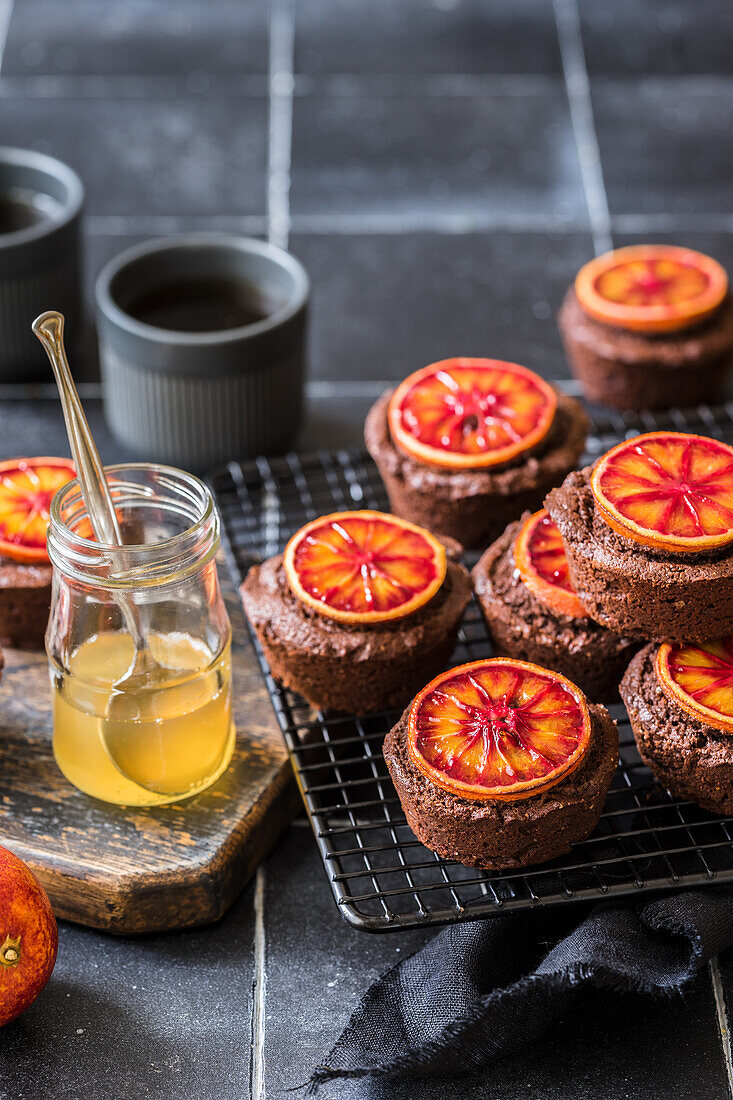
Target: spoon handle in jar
{"points": [[49, 328]]}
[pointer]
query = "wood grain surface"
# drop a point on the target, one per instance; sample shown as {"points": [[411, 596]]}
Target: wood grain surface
{"points": [[131, 869]]}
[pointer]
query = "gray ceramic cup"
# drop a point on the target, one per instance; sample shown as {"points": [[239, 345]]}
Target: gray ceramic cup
{"points": [[40, 265], [195, 399]]}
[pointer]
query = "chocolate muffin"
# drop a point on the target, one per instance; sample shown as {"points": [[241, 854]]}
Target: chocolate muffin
{"points": [[25, 603], [354, 667], [522, 625], [689, 757], [635, 589], [475, 505], [635, 370], [501, 834], [27, 487]]}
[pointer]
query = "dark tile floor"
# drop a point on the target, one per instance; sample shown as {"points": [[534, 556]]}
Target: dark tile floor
{"points": [[358, 151], [449, 170], [432, 295], [681, 166], [458, 36]]}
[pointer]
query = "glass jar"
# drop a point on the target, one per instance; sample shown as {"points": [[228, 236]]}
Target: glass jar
{"points": [[124, 737]]}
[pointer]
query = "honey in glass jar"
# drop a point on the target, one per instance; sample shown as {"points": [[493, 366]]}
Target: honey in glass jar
{"points": [[165, 734]]}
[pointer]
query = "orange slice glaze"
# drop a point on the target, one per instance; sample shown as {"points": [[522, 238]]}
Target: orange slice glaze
{"points": [[668, 490], [364, 567], [700, 679], [498, 729], [539, 555], [471, 413], [651, 287], [27, 487]]}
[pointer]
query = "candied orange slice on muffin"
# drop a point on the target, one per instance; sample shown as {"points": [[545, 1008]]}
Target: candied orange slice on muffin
{"points": [[471, 413], [651, 287], [364, 567], [498, 729], [668, 491], [27, 487], [540, 558], [699, 678]]}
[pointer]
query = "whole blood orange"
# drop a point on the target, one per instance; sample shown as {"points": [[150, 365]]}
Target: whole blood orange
{"points": [[651, 287], [28, 937], [364, 567], [27, 487], [471, 413], [699, 678], [539, 555], [498, 729], [668, 490]]}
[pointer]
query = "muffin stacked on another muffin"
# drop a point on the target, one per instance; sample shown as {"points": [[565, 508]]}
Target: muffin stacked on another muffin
{"points": [[649, 326], [464, 446], [680, 702], [359, 611], [533, 612], [648, 534]]}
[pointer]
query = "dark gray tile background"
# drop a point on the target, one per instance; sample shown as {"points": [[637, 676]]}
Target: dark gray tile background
{"points": [[452, 163]]}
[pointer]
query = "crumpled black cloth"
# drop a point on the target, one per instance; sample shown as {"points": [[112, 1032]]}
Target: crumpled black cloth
{"points": [[480, 990]]}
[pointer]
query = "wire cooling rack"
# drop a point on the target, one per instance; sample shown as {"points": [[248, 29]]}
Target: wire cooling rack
{"points": [[382, 878]]}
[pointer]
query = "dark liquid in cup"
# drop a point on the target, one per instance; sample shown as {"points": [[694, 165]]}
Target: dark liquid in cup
{"points": [[20, 209], [201, 305]]}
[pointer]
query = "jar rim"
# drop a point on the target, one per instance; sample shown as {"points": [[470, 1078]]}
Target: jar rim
{"points": [[144, 563]]}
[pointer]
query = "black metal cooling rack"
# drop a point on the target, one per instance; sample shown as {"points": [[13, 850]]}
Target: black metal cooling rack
{"points": [[382, 878]]}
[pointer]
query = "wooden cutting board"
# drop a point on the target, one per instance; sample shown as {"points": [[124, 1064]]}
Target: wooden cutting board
{"points": [[141, 870]]}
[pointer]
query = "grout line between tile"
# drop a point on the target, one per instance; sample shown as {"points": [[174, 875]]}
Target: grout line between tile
{"points": [[348, 387], [316, 389], [6, 12], [433, 222], [425, 85], [700, 221], [567, 19], [282, 34], [721, 1011], [121, 225], [44, 391], [119, 86], [439, 222], [372, 387], [257, 1068]]}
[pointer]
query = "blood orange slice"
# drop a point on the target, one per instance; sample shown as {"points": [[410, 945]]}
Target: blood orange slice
{"points": [[498, 728], [700, 679], [469, 413], [27, 487], [668, 490], [364, 567], [539, 555], [651, 287]]}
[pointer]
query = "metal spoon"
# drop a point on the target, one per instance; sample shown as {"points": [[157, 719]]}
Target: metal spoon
{"points": [[49, 328]]}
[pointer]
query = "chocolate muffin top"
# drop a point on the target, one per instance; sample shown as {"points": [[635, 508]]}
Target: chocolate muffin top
{"points": [[496, 578], [688, 742], [572, 507], [273, 609], [16, 574], [558, 451], [708, 340], [580, 787]]}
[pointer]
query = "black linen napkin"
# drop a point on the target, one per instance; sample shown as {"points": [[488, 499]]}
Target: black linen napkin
{"points": [[481, 990]]}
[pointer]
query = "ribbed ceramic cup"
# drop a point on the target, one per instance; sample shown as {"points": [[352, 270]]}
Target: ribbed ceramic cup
{"points": [[194, 399], [40, 265]]}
